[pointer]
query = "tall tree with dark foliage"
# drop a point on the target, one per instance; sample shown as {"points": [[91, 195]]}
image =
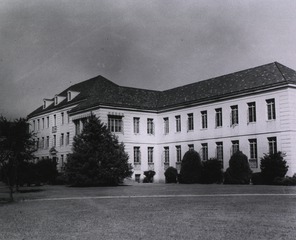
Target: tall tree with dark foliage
{"points": [[16, 146], [98, 158]]}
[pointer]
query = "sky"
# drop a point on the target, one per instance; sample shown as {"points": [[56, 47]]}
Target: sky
{"points": [[49, 45]]}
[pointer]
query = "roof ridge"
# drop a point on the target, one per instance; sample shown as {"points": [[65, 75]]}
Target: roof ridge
{"points": [[220, 76]]}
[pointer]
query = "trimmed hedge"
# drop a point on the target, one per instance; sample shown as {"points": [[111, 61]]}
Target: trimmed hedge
{"points": [[191, 168], [148, 176], [273, 166], [239, 171], [171, 175], [212, 171]]}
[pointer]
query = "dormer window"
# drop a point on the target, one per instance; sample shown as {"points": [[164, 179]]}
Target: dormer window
{"points": [[58, 99], [71, 95], [47, 102]]}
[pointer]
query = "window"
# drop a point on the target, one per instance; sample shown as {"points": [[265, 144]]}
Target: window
{"points": [[44, 104], [218, 117], [272, 145], [54, 120], [67, 138], [47, 142], [191, 146], [150, 126], [34, 125], [43, 125], [235, 146], [42, 143], [62, 139], [69, 96], [137, 155], [38, 124], [62, 161], [37, 143], [166, 155], [178, 123], [270, 109], [136, 125], [234, 115], [68, 117], [47, 122], [204, 151], [150, 154], [190, 122], [252, 112], [166, 125], [179, 154], [54, 140], [137, 178], [77, 127], [204, 119], [115, 124], [253, 153], [83, 122], [219, 151], [55, 100], [62, 118]]}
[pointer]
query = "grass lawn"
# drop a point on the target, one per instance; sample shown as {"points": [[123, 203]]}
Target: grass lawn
{"points": [[152, 211]]}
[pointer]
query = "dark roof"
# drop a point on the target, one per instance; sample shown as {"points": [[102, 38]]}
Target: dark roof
{"points": [[101, 91]]}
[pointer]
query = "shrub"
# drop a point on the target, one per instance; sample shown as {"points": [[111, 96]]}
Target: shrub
{"points": [[212, 171], [273, 166], [257, 179], [171, 175], [285, 181], [239, 171], [191, 168], [148, 176], [46, 171]]}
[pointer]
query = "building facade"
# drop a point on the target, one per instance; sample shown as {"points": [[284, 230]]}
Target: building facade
{"points": [[252, 111]]}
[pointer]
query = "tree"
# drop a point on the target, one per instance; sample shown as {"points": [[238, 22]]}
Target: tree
{"points": [[16, 146], [239, 171], [97, 158], [273, 166], [191, 168]]}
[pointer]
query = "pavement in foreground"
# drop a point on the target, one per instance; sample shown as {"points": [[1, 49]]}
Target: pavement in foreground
{"points": [[151, 211]]}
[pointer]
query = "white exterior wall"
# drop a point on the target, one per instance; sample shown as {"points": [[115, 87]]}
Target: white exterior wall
{"points": [[283, 128]]}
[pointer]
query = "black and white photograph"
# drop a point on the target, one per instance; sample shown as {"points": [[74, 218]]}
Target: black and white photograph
{"points": [[157, 119]]}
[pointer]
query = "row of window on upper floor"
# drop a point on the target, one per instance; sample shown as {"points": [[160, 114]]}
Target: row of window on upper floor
{"points": [[44, 122], [44, 142], [115, 123], [253, 152]]}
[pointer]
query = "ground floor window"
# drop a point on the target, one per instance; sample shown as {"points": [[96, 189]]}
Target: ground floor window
{"points": [[138, 178], [179, 154], [235, 146], [204, 151], [272, 145], [150, 154], [253, 153], [219, 151], [137, 155]]}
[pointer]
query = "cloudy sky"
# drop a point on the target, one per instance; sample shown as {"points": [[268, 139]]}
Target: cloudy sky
{"points": [[48, 45]]}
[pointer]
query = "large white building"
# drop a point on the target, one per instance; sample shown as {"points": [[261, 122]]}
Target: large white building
{"points": [[252, 110]]}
